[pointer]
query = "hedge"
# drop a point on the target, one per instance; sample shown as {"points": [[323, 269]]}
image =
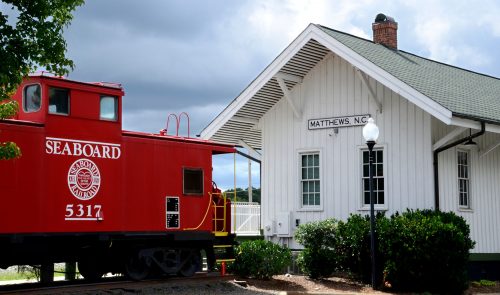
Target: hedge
{"points": [[260, 259], [417, 251]]}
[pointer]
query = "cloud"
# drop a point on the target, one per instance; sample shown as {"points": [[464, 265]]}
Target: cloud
{"points": [[152, 121], [456, 34], [173, 56]]}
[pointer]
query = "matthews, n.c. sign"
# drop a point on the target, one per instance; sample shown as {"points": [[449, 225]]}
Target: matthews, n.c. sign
{"points": [[336, 122]]}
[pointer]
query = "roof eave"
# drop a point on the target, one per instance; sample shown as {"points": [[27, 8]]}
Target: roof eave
{"points": [[315, 32], [269, 72]]}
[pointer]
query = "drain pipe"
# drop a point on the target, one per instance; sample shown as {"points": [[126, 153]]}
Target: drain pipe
{"points": [[443, 148]]}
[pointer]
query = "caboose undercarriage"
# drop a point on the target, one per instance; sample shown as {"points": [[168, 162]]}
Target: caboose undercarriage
{"points": [[137, 255]]}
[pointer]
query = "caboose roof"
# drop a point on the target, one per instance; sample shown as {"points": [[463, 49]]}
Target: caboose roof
{"points": [[58, 79]]}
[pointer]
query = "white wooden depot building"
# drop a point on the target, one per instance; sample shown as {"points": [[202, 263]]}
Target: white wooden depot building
{"points": [[305, 112]]}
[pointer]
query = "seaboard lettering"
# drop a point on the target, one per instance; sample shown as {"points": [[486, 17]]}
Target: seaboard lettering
{"points": [[77, 148]]}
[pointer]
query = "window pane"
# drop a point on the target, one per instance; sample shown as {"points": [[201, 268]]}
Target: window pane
{"points": [[316, 199], [304, 160], [304, 199], [366, 157], [193, 181], [109, 108], [367, 198], [381, 184], [310, 173], [380, 198], [316, 160], [32, 99], [310, 160], [380, 156], [316, 173], [316, 186], [366, 170], [380, 170], [58, 101], [305, 187]]}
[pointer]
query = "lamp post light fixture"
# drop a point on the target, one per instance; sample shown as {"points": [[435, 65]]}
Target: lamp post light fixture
{"points": [[370, 133]]}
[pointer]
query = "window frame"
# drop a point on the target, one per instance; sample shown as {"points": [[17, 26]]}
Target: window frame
{"points": [[468, 153], [301, 206], [189, 193], [69, 102], [385, 205], [24, 97], [116, 108]]}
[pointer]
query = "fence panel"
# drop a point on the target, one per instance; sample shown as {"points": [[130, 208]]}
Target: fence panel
{"points": [[246, 218]]}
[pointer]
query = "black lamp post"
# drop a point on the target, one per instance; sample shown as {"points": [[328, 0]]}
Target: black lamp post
{"points": [[370, 133]]}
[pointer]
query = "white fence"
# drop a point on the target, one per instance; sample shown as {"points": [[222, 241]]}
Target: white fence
{"points": [[246, 218]]}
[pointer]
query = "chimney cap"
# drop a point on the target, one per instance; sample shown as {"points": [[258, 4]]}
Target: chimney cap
{"points": [[382, 18]]}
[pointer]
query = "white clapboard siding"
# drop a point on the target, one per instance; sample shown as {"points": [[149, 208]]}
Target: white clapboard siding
{"points": [[332, 89], [483, 217]]}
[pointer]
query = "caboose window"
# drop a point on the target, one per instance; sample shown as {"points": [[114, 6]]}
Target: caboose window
{"points": [[109, 108], [58, 101], [32, 99], [193, 181]]}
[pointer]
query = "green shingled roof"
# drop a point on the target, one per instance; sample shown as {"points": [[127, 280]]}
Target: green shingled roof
{"points": [[464, 93]]}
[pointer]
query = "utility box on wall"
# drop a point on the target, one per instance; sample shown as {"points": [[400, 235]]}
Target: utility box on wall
{"points": [[270, 229], [283, 224]]}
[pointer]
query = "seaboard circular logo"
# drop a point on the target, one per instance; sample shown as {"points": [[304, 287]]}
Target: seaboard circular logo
{"points": [[84, 179]]}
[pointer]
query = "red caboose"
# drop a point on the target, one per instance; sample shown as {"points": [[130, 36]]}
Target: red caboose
{"points": [[112, 200]]}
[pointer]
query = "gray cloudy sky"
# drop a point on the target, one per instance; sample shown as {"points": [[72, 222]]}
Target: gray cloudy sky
{"points": [[197, 55]]}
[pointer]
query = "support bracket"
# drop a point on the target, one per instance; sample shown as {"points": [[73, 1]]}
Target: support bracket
{"points": [[251, 151], [288, 97], [489, 149], [362, 76], [452, 134]]}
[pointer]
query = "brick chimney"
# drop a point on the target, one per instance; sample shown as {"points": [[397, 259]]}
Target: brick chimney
{"points": [[385, 31]]}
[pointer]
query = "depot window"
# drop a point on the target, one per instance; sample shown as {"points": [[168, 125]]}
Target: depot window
{"points": [[32, 98], [378, 177], [463, 167], [58, 101], [310, 179], [109, 108], [193, 181]]}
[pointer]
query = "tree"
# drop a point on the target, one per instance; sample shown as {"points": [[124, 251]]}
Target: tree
{"points": [[242, 194], [34, 40]]}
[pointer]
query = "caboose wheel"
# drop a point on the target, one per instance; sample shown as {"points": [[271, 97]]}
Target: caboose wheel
{"points": [[136, 267], [193, 263], [89, 268]]}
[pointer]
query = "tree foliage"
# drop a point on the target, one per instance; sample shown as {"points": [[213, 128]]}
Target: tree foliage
{"points": [[242, 194], [31, 36]]}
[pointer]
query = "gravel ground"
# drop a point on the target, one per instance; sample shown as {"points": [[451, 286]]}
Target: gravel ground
{"points": [[282, 285]]}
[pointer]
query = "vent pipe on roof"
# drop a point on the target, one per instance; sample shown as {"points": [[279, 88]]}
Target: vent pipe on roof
{"points": [[385, 31]]}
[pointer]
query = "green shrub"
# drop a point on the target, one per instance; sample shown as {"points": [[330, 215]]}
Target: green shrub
{"points": [[319, 259], [354, 246], [317, 263], [260, 259], [419, 250], [427, 251]]}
